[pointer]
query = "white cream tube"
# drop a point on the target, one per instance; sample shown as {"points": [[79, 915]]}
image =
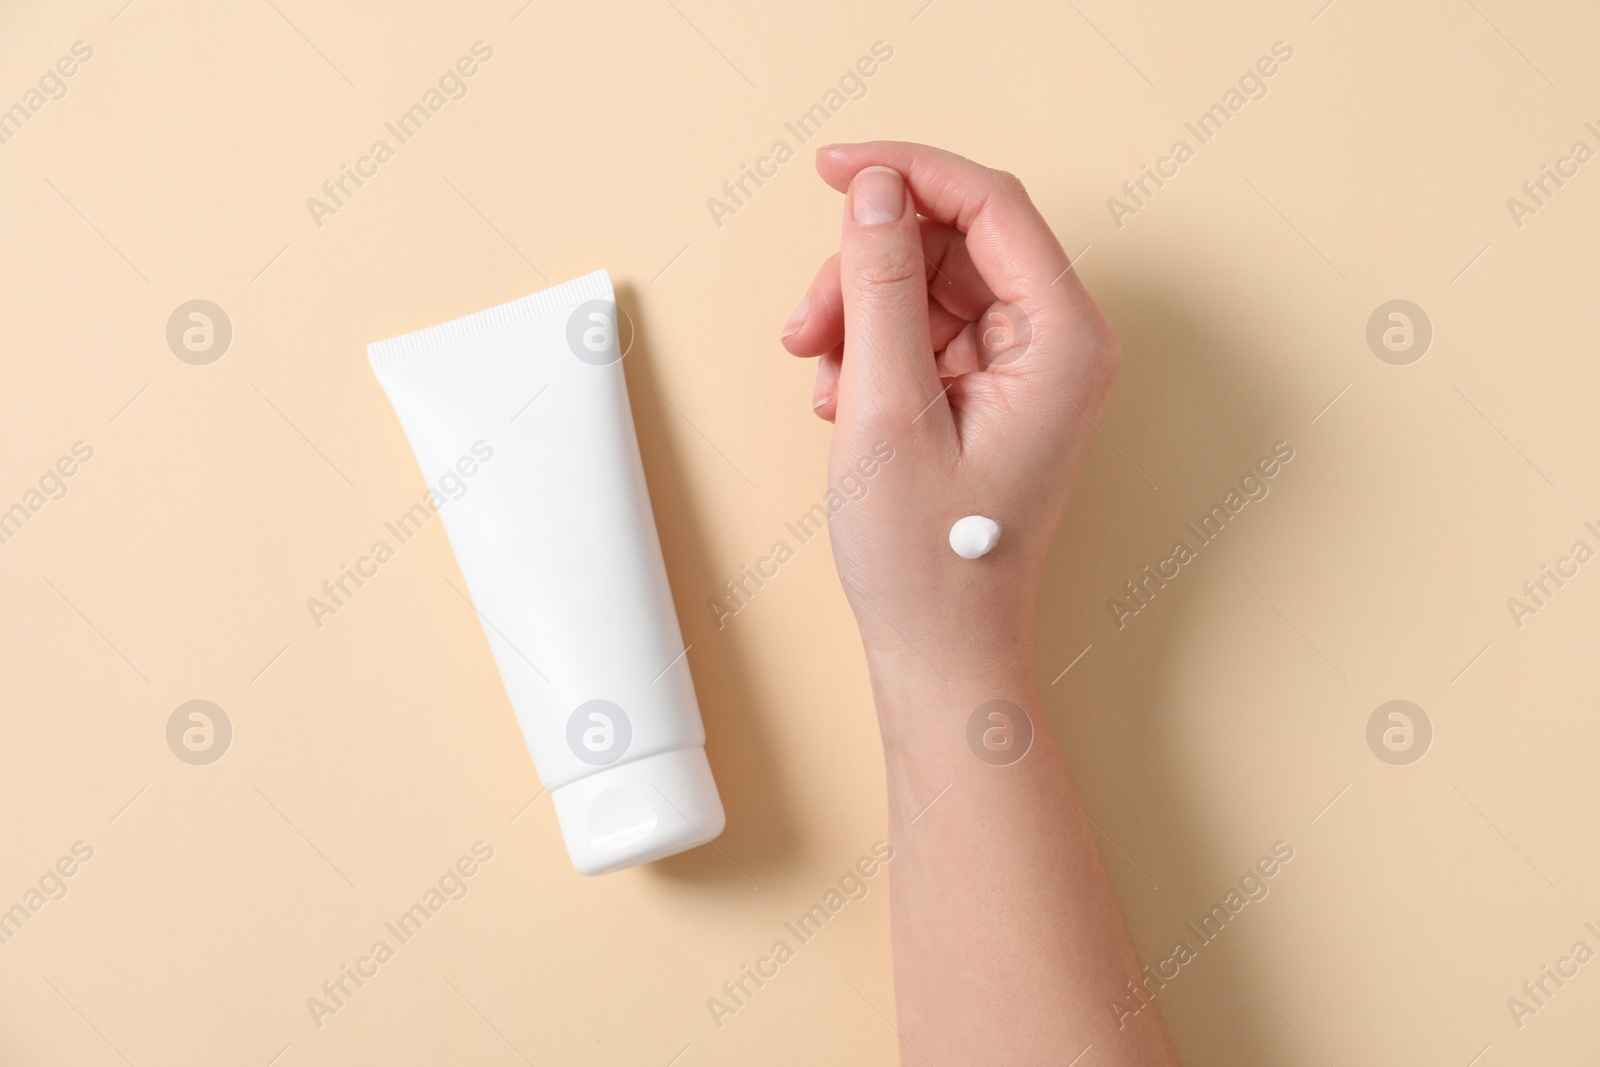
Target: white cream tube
{"points": [[560, 555]]}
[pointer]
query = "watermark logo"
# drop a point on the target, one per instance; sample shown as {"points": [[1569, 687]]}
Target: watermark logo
{"points": [[596, 331], [1252, 487], [1399, 732], [598, 732], [452, 885], [340, 590], [199, 732], [1137, 192], [1004, 335], [737, 192], [851, 488], [50, 87], [50, 486], [999, 733], [199, 332], [1537, 992], [452, 85], [852, 886], [51, 886], [1252, 888], [1537, 592], [1538, 191], [1399, 332]]}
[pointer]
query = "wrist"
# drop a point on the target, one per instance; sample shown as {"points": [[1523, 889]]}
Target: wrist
{"points": [[925, 696], [982, 641], [907, 677]]}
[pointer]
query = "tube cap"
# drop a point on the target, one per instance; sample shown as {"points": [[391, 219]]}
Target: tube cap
{"points": [[638, 812]]}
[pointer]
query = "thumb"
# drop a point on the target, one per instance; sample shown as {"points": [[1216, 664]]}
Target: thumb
{"points": [[888, 373]]}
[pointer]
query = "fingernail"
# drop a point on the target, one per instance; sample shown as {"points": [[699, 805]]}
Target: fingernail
{"points": [[878, 195], [798, 319]]}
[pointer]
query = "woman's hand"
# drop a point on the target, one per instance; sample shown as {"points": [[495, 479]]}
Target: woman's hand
{"points": [[962, 341], [952, 331]]}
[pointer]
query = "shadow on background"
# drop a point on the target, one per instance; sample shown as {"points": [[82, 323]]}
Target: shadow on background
{"points": [[750, 776], [1185, 417]]}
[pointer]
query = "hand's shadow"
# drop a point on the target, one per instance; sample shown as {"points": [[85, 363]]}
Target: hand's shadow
{"points": [[1181, 429]]}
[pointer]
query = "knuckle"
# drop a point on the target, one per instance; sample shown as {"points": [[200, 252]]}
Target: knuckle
{"points": [[1111, 361], [1109, 347], [888, 266], [1011, 184], [887, 414], [1105, 357]]}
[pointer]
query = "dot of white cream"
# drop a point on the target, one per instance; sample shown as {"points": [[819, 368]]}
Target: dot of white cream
{"points": [[974, 536]]}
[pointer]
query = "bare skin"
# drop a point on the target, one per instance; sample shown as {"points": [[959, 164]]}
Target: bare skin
{"points": [[950, 329]]}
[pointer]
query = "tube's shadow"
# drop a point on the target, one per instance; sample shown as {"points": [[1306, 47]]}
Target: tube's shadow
{"points": [[760, 831]]}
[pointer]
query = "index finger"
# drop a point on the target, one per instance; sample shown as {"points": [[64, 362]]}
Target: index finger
{"points": [[1007, 239]]}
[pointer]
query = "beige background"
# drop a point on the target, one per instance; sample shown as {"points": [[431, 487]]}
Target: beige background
{"points": [[367, 755]]}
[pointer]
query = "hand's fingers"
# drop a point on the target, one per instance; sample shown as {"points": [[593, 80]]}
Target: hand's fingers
{"points": [[1007, 239], [943, 326], [946, 331], [953, 279], [998, 338], [825, 394], [822, 332], [888, 372], [962, 353], [817, 325]]}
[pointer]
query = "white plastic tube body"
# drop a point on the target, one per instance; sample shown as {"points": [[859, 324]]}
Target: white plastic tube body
{"points": [[557, 544]]}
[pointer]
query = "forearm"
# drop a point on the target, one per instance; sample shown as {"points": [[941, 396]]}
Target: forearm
{"points": [[1009, 946]]}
